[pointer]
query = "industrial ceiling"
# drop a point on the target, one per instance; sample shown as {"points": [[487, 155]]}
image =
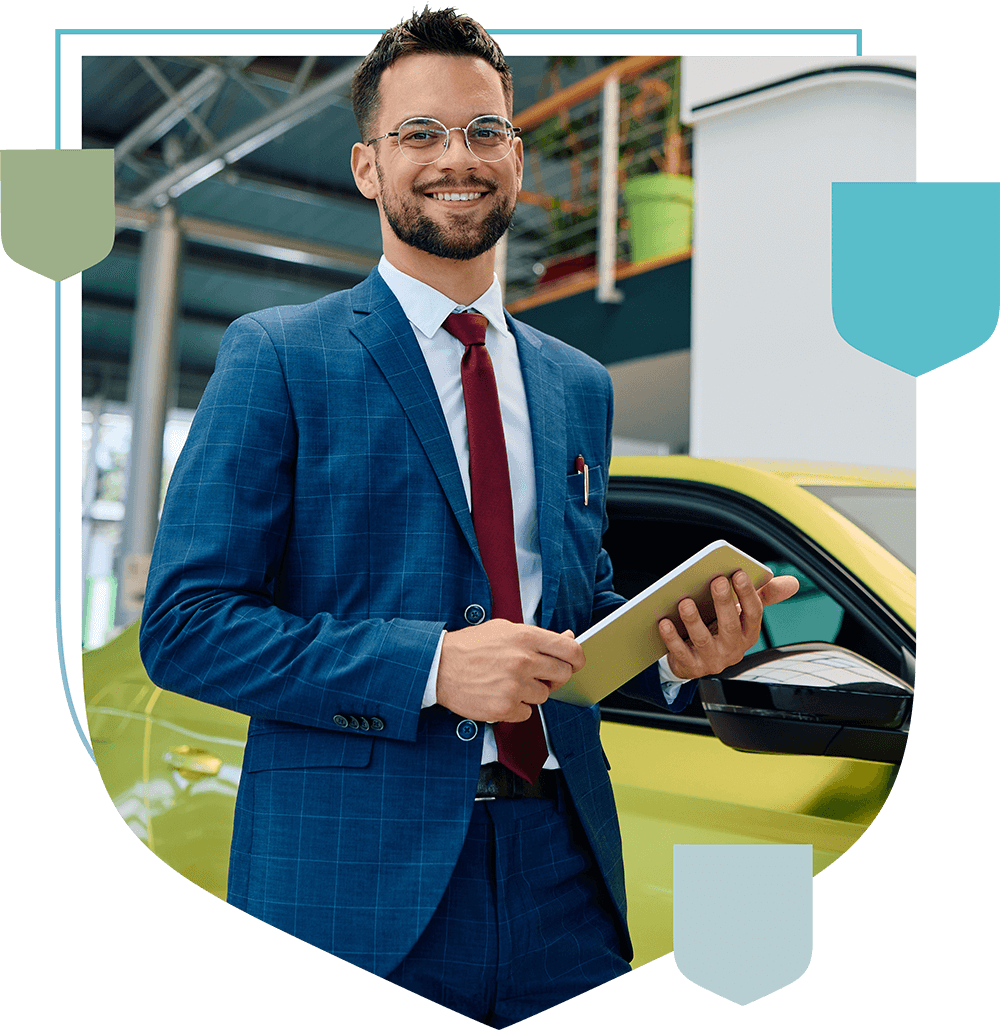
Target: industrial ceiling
{"points": [[254, 154]]}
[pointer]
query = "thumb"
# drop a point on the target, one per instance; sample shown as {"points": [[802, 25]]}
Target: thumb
{"points": [[780, 588]]}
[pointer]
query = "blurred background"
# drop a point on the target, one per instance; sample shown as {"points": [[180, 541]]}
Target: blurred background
{"points": [[674, 223]]}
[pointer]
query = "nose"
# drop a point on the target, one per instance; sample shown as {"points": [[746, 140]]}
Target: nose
{"points": [[457, 154]]}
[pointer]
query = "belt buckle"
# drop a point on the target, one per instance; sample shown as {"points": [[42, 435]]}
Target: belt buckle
{"points": [[493, 770]]}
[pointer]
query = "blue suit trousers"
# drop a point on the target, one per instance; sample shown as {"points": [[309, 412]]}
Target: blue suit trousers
{"points": [[526, 921]]}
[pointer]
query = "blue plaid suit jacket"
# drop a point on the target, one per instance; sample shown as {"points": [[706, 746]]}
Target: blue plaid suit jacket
{"points": [[314, 542]]}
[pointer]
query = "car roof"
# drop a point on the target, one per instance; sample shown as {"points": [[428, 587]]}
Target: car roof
{"points": [[780, 486], [823, 473], [802, 473]]}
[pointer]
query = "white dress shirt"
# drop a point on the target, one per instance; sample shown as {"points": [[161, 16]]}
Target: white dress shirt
{"points": [[426, 309]]}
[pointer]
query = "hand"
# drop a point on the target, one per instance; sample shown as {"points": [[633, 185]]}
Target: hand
{"points": [[496, 671], [710, 649]]}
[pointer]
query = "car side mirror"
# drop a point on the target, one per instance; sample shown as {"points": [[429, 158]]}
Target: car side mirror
{"points": [[810, 699]]}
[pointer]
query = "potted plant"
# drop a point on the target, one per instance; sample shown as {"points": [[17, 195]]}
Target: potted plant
{"points": [[658, 188]]}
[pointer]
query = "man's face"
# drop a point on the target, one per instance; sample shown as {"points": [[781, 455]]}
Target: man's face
{"points": [[418, 202]]}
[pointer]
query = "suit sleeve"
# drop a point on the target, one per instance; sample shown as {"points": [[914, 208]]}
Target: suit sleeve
{"points": [[210, 626]]}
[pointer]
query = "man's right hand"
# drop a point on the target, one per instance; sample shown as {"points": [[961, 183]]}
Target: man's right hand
{"points": [[496, 671]]}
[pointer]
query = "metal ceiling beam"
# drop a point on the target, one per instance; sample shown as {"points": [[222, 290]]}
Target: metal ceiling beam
{"points": [[260, 131], [204, 85], [247, 241], [166, 87], [302, 75], [255, 91]]}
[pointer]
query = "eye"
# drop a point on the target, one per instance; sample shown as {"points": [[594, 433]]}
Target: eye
{"points": [[418, 135], [488, 131]]}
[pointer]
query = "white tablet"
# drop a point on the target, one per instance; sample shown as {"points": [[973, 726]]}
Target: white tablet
{"points": [[628, 641]]}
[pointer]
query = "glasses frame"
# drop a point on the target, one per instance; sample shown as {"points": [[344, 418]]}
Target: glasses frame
{"points": [[512, 131]]}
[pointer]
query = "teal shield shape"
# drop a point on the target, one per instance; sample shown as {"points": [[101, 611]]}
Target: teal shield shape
{"points": [[916, 269], [57, 209]]}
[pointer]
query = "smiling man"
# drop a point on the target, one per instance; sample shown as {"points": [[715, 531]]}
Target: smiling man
{"points": [[377, 545], [444, 195]]}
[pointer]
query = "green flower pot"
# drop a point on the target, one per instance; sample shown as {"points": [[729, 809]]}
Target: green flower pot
{"points": [[659, 214]]}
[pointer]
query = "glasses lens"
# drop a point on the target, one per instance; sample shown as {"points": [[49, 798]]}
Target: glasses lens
{"points": [[424, 140], [490, 138]]}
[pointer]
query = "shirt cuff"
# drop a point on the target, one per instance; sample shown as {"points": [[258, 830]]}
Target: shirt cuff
{"points": [[430, 691], [669, 683]]}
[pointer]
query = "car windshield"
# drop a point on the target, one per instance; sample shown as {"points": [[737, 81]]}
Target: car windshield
{"points": [[887, 514]]}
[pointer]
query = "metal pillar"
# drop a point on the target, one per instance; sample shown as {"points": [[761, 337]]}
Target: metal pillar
{"points": [[149, 377], [607, 223]]}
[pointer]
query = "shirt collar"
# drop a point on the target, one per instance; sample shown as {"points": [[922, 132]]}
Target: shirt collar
{"points": [[426, 308]]}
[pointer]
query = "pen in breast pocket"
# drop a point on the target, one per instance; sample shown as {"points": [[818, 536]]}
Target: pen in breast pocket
{"points": [[582, 466]]}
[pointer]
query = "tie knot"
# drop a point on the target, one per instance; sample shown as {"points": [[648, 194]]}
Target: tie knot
{"points": [[468, 327]]}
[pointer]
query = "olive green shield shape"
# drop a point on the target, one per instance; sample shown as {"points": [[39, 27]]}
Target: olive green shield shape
{"points": [[57, 209]]}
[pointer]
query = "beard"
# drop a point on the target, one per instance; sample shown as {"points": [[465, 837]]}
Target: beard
{"points": [[462, 239]]}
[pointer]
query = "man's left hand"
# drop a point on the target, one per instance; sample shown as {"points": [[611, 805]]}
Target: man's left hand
{"points": [[710, 649]]}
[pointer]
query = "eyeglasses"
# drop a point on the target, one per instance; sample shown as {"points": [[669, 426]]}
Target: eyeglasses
{"points": [[423, 140]]}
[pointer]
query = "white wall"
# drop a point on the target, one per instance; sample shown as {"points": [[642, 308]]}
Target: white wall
{"points": [[652, 402], [770, 375]]}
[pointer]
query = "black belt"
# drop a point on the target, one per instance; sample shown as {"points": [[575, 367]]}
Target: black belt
{"points": [[497, 781]]}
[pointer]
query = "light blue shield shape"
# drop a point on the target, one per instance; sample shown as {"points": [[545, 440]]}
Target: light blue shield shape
{"points": [[742, 916]]}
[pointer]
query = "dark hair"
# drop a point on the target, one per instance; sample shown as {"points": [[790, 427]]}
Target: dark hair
{"points": [[430, 32]]}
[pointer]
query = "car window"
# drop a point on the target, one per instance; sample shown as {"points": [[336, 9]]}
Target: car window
{"points": [[887, 514], [811, 615], [654, 526]]}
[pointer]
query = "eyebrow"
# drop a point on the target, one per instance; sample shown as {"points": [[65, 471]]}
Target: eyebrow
{"points": [[431, 118]]}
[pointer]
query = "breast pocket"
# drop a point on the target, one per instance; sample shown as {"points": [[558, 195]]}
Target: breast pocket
{"points": [[585, 510]]}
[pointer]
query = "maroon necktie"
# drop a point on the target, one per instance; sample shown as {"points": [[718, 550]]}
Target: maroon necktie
{"points": [[520, 745]]}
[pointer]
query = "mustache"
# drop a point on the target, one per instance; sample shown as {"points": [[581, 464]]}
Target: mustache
{"points": [[450, 185]]}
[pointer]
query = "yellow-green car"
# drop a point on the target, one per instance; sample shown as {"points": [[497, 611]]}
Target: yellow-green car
{"points": [[827, 748]]}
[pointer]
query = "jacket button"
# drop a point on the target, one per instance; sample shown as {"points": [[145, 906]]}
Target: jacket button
{"points": [[355, 725], [377, 724], [364, 723], [475, 614], [466, 730], [340, 721]]}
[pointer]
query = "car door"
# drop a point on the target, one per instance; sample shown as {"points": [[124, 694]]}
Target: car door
{"points": [[171, 765], [675, 782]]}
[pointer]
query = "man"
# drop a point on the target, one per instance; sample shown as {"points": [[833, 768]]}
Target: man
{"points": [[357, 554]]}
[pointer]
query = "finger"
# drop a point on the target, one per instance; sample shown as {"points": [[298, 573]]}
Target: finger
{"points": [[676, 645], [519, 713], [549, 671], [537, 692], [677, 648], [726, 610], [750, 601], [697, 631], [558, 645], [778, 589]]}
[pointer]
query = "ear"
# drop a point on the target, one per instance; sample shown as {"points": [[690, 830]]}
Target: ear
{"points": [[363, 169], [518, 159]]}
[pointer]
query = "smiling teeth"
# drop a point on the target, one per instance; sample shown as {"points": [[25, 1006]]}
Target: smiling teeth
{"points": [[456, 196]]}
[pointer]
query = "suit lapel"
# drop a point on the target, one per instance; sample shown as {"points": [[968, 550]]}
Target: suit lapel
{"points": [[543, 386], [384, 331]]}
